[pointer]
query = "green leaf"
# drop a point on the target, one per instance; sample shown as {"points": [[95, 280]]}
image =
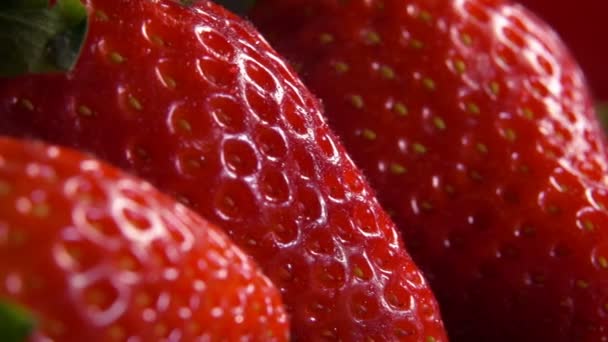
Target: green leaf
{"points": [[240, 7], [16, 324], [36, 38]]}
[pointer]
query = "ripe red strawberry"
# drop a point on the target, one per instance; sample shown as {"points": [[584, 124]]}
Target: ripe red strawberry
{"points": [[474, 124], [580, 23], [97, 255], [194, 100]]}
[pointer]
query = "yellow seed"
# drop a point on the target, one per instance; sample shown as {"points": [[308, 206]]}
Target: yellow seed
{"points": [[589, 226], [476, 176], [135, 104], [425, 16], [228, 201], [341, 67], [397, 169], [142, 154], [416, 44], [127, 263], [358, 272], [528, 231], [430, 339], [439, 123], [74, 252], [603, 262], [194, 163], [169, 82], [357, 101], [326, 38], [96, 297], [419, 148], [510, 134], [157, 40], [193, 328], [327, 334], [482, 148], [372, 38], [27, 104], [460, 66], [400, 109], [160, 329], [495, 88], [473, 108], [16, 238], [116, 58], [528, 113], [369, 134], [387, 72], [116, 333], [428, 83], [562, 188], [538, 279], [143, 300], [466, 39], [582, 284], [41, 210], [185, 125], [85, 111], [56, 328], [101, 15]]}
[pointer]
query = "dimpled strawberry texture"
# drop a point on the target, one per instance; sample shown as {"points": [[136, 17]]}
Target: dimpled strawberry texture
{"points": [[474, 125], [98, 256], [195, 101]]}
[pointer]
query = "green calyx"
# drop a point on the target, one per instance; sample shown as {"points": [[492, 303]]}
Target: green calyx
{"points": [[602, 113], [16, 324], [240, 7], [38, 38]]}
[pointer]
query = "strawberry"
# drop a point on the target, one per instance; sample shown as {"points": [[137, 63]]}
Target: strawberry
{"points": [[580, 23], [195, 101], [97, 255], [473, 123]]}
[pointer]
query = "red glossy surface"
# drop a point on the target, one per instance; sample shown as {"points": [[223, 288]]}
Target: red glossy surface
{"points": [[97, 255], [474, 125], [194, 100]]}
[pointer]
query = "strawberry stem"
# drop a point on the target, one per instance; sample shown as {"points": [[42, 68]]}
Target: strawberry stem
{"points": [[240, 7], [38, 38], [16, 325]]}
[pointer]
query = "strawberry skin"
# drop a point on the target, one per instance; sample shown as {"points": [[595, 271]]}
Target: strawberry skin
{"points": [[579, 24], [97, 255], [474, 125], [196, 102]]}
